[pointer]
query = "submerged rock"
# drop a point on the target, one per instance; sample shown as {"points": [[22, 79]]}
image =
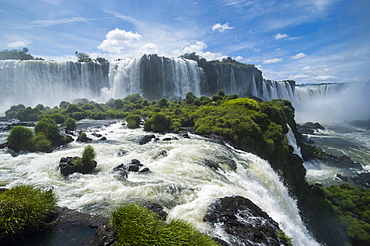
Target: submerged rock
{"points": [[146, 139], [244, 222]]}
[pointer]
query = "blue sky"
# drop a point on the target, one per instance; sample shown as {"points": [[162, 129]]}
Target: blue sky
{"points": [[316, 41]]}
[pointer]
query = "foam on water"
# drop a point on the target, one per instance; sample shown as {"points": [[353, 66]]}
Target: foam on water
{"points": [[181, 181]]}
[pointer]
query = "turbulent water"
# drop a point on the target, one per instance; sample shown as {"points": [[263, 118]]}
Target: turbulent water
{"points": [[339, 139], [181, 181]]}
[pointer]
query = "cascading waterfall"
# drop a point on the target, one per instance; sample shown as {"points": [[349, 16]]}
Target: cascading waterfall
{"points": [[293, 142], [181, 180], [49, 83]]}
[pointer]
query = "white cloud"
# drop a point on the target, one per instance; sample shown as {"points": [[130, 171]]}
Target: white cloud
{"points": [[45, 23], [238, 58], [298, 76], [117, 40], [222, 28], [273, 60], [281, 36], [18, 44], [150, 48], [325, 77], [198, 47], [298, 56]]}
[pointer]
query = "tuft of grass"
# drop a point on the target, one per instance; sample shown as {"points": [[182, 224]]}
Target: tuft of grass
{"points": [[137, 225], [24, 209]]}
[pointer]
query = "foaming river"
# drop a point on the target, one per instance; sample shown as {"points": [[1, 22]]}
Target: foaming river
{"points": [[182, 180]]}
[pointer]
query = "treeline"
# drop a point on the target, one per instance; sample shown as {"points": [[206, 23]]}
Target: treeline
{"points": [[22, 54]]}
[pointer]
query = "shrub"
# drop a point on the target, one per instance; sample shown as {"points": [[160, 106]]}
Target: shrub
{"points": [[20, 138], [28, 114], [22, 209], [88, 154], [158, 123], [42, 143], [51, 131], [59, 118], [133, 121], [137, 225], [70, 124], [162, 103]]}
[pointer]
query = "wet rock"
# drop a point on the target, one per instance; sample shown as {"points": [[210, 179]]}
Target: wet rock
{"points": [[243, 221], [122, 152], [71, 227], [185, 135], [170, 139], [4, 145], [341, 177], [362, 179], [310, 128], [146, 139], [96, 134], [158, 209], [103, 139], [145, 170], [161, 153], [121, 170], [67, 166]]}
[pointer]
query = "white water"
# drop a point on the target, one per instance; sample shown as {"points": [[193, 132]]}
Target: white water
{"points": [[180, 181], [293, 142]]}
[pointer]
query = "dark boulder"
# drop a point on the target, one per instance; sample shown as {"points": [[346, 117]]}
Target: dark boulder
{"points": [[243, 221], [362, 179], [158, 209], [122, 152], [134, 166], [121, 170], [70, 227], [185, 135], [4, 145], [146, 139], [310, 128], [161, 153], [67, 166]]}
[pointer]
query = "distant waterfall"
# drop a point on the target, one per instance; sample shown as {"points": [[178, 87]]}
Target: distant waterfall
{"points": [[34, 82], [154, 77]]}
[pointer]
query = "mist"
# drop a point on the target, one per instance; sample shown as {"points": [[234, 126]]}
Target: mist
{"points": [[351, 103]]}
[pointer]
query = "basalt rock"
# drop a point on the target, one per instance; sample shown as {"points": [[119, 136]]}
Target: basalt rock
{"points": [[134, 166], [146, 139], [244, 222], [67, 166], [310, 128]]}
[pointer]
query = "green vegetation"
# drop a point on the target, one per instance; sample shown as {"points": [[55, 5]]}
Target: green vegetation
{"points": [[137, 225], [20, 138], [88, 156], [70, 124], [353, 206], [133, 121], [82, 57], [17, 55], [24, 209]]}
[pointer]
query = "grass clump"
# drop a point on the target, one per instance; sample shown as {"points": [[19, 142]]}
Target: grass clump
{"points": [[137, 225], [24, 209]]}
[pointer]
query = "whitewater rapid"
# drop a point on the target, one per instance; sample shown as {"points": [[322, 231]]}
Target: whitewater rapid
{"points": [[181, 181]]}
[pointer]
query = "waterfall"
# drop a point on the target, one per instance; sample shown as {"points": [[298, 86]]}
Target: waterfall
{"points": [[182, 180], [293, 142], [49, 83]]}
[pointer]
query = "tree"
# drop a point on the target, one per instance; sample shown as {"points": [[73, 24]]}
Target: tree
{"points": [[20, 138], [70, 124], [82, 57]]}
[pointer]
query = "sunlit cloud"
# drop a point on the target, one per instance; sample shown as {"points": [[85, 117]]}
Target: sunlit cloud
{"points": [[273, 60], [222, 28], [298, 56], [117, 40], [18, 44], [281, 36]]}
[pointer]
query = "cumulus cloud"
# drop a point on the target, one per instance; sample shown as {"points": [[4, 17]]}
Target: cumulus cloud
{"points": [[117, 40], [281, 36], [222, 28], [298, 56], [150, 48], [273, 60], [18, 44], [198, 47]]}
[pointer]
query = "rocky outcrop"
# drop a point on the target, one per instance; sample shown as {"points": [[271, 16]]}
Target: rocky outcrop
{"points": [[67, 166], [146, 139], [310, 128], [244, 222], [134, 166]]}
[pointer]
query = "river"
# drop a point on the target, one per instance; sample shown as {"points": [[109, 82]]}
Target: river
{"points": [[181, 180]]}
